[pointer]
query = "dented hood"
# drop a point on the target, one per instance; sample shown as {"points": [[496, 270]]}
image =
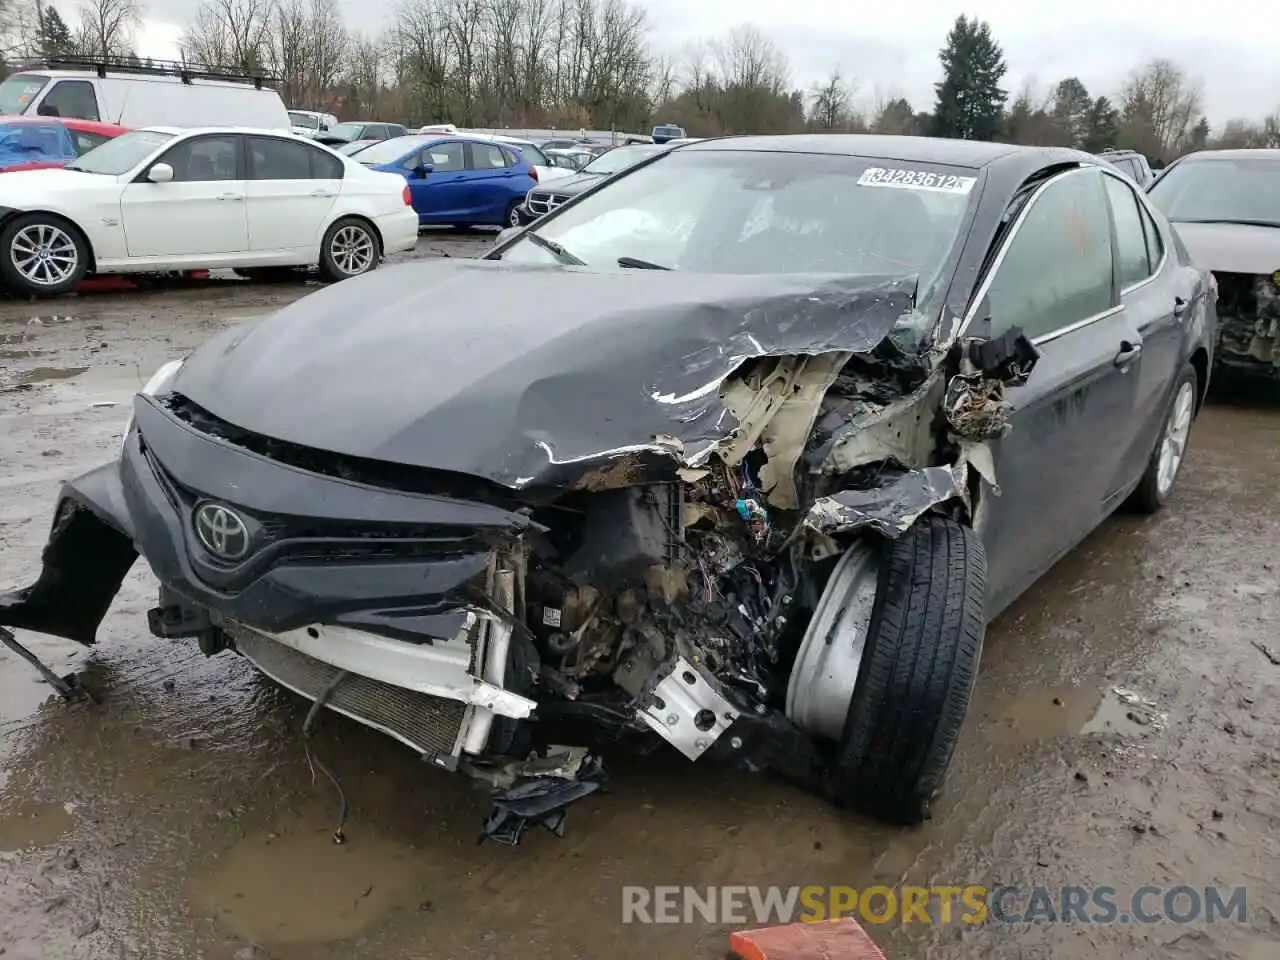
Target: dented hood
{"points": [[523, 374], [1232, 247]]}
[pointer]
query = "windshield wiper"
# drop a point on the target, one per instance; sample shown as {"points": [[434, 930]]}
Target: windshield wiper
{"points": [[72, 166], [1243, 221], [553, 248], [637, 264]]}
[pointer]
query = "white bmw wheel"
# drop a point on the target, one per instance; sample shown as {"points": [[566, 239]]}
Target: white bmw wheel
{"points": [[350, 249]]}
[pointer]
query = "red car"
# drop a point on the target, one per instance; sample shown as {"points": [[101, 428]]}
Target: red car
{"points": [[36, 143]]}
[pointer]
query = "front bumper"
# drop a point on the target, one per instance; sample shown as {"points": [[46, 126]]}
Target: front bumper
{"points": [[318, 596]]}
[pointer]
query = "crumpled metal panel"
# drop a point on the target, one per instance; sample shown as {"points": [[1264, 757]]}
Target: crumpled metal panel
{"points": [[889, 508], [526, 375]]}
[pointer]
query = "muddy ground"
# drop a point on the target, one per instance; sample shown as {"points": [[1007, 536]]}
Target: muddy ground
{"points": [[179, 817]]}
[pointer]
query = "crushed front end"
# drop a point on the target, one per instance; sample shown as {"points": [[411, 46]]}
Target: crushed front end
{"points": [[1249, 323], [528, 565]]}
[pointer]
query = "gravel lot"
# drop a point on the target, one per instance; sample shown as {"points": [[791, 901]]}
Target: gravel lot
{"points": [[179, 817]]}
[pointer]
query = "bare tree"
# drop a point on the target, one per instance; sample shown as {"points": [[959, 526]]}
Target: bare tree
{"points": [[1159, 106], [831, 102], [229, 33], [106, 27], [747, 58]]}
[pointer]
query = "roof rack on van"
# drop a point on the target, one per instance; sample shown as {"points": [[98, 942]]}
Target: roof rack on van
{"points": [[168, 68]]}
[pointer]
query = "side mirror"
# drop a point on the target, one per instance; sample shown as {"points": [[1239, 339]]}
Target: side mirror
{"points": [[160, 173], [323, 126], [422, 170]]}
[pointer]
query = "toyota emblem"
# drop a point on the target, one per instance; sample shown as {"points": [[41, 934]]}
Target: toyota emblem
{"points": [[222, 532]]}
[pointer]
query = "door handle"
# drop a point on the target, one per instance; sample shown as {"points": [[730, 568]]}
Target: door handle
{"points": [[322, 193], [1128, 353], [231, 196], [459, 177], [1179, 306]]}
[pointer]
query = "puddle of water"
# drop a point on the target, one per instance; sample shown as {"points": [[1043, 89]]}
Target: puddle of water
{"points": [[33, 825], [1047, 713], [45, 375], [301, 887], [1125, 712]]}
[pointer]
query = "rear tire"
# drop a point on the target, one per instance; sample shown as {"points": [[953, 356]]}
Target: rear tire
{"points": [[917, 673], [42, 255], [350, 249], [1156, 486]]}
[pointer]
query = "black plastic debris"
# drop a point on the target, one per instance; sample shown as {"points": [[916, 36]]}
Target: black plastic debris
{"points": [[539, 801]]}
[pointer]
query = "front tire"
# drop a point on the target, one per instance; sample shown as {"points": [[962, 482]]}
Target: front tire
{"points": [[1156, 485], [512, 217], [917, 672], [42, 255], [350, 248]]}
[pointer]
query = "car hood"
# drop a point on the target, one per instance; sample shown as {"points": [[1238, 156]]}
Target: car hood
{"points": [[23, 186], [575, 183], [1232, 247], [524, 375]]}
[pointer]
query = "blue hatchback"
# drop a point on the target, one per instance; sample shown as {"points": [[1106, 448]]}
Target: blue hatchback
{"points": [[455, 180]]}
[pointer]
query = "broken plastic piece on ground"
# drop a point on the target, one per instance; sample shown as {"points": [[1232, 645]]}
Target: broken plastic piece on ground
{"points": [[805, 941], [539, 801], [69, 686]]}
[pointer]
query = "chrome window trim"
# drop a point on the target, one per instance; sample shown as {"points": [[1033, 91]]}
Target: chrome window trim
{"points": [[1164, 247], [985, 286], [1078, 325]]}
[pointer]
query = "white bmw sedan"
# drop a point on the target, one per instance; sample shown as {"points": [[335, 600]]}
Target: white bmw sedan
{"points": [[167, 199]]}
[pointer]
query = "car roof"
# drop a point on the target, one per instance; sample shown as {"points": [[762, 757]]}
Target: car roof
{"points": [[960, 153], [1242, 153], [251, 131]]}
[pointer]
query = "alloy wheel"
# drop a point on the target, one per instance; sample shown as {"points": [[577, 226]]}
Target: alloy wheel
{"points": [[1174, 443], [45, 255], [352, 249]]}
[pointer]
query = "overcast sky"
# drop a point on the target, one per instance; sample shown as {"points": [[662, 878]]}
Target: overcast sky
{"points": [[892, 48]]}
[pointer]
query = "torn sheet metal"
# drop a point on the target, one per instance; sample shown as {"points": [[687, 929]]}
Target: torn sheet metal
{"points": [[890, 508], [650, 349], [975, 405]]}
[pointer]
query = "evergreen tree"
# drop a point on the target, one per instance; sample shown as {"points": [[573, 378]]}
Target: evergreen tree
{"points": [[1102, 129], [970, 100], [1071, 106], [53, 36]]}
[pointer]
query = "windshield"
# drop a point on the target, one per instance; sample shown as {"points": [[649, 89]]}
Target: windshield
{"points": [[17, 92], [620, 159], [345, 131], [355, 146], [389, 151], [121, 154], [305, 120], [732, 211], [676, 132], [1227, 188]]}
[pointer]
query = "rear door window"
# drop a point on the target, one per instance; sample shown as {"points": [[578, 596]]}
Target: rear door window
{"points": [[1132, 261], [487, 156], [74, 99]]}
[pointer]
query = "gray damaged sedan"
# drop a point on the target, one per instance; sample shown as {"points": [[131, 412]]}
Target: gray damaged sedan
{"points": [[740, 452]]}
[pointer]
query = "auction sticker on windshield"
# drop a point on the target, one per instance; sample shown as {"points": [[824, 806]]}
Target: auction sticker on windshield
{"points": [[916, 180]]}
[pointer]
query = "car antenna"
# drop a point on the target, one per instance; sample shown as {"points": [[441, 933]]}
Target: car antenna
{"points": [[123, 103]]}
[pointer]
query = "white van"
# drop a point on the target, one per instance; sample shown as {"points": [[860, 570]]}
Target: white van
{"points": [[170, 95]]}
